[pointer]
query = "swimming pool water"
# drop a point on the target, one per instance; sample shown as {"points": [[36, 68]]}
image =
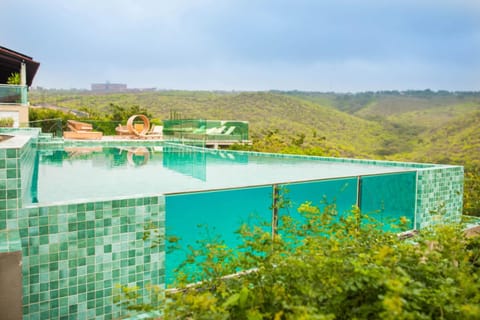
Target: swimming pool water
{"points": [[95, 173], [218, 189], [384, 198]]}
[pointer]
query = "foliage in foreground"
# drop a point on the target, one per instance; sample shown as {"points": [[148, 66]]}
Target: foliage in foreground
{"points": [[330, 267], [6, 122], [471, 195]]}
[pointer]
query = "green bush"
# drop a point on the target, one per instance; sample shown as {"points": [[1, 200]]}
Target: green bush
{"points": [[6, 122], [14, 78], [471, 195], [330, 267], [49, 120]]}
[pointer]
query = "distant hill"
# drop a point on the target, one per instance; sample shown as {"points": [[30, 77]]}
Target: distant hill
{"points": [[428, 126], [454, 141]]}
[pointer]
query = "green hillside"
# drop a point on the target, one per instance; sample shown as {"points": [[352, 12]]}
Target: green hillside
{"points": [[450, 141], [428, 126]]}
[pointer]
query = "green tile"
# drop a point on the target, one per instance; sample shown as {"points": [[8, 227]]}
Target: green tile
{"points": [[11, 163], [13, 184], [54, 285], [72, 227], [12, 153], [44, 239], [63, 292], [43, 230], [12, 194], [72, 309], [107, 248], [12, 173], [81, 234], [34, 298]]}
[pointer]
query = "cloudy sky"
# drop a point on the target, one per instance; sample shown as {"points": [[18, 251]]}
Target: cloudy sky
{"points": [[316, 45]]}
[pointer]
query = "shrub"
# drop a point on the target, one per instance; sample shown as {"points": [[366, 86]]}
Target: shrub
{"points": [[6, 122], [14, 78], [330, 267]]}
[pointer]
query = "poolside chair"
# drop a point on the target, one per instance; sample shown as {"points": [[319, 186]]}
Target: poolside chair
{"points": [[229, 130], [211, 130], [81, 130], [121, 130], [216, 130], [156, 132]]}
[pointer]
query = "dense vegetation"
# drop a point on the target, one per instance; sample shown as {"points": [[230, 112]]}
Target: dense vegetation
{"points": [[323, 267], [424, 126]]}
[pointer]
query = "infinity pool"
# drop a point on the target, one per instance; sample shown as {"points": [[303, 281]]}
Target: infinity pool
{"points": [[79, 215], [93, 173], [218, 189]]}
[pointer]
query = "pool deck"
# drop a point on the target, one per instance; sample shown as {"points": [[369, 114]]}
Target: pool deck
{"points": [[14, 142]]}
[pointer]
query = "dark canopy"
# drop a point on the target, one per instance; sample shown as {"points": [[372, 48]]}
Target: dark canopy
{"points": [[10, 62]]}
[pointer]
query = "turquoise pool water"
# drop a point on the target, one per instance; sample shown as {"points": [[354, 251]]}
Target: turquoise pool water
{"points": [[95, 173], [218, 189], [189, 216]]}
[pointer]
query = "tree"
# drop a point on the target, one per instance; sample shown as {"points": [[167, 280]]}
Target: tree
{"points": [[14, 78], [118, 113]]}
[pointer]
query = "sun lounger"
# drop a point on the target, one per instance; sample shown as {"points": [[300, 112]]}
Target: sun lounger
{"points": [[81, 130]]}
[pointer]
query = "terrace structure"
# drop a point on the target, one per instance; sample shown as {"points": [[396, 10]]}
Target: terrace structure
{"points": [[14, 96]]}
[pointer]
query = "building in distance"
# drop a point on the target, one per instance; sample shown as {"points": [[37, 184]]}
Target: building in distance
{"points": [[109, 87]]}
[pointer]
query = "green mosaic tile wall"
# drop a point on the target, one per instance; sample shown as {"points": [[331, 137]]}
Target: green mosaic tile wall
{"points": [[75, 254], [10, 198], [439, 195]]}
